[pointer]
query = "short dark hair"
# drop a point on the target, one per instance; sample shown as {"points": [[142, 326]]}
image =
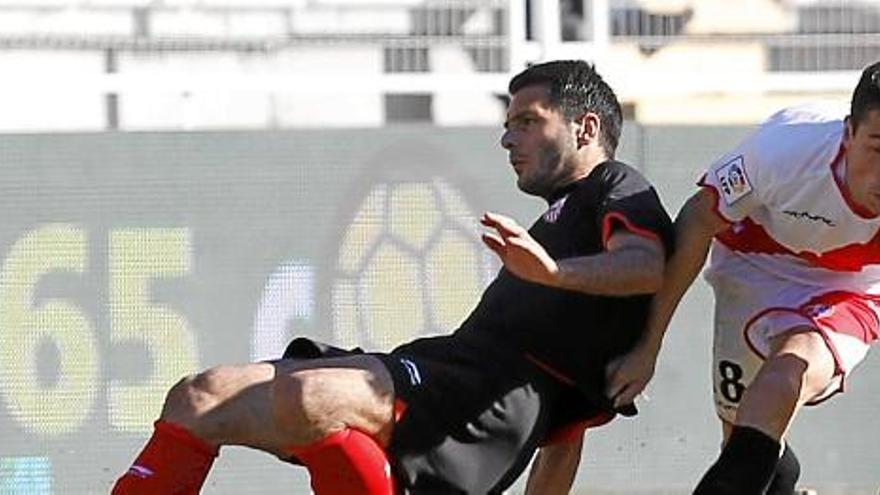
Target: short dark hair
{"points": [[576, 88], [866, 96]]}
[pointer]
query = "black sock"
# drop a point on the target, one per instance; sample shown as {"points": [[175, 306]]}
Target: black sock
{"points": [[745, 466], [785, 478]]}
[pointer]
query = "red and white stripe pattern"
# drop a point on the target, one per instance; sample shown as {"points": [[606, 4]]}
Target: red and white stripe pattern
{"points": [[798, 220]]}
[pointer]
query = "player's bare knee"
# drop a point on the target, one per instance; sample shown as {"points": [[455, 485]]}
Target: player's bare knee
{"points": [[298, 408], [178, 407], [782, 376], [816, 380], [194, 395], [809, 361]]}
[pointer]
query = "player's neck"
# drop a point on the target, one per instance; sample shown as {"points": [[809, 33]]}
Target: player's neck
{"points": [[839, 169], [588, 161]]}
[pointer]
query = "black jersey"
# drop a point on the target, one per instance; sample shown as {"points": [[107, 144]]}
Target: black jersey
{"points": [[479, 402], [575, 333]]}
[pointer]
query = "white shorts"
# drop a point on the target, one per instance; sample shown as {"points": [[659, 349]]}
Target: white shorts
{"points": [[752, 306]]}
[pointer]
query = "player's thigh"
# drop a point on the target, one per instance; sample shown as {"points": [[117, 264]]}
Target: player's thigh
{"points": [[314, 398]]}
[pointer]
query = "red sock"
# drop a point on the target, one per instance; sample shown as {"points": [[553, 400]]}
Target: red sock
{"points": [[174, 461], [347, 462]]}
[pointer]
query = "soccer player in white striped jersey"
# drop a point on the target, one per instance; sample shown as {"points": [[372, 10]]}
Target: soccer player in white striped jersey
{"points": [[792, 216]]}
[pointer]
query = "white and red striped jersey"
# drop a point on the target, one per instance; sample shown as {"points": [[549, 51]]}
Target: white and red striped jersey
{"points": [[783, 191]]}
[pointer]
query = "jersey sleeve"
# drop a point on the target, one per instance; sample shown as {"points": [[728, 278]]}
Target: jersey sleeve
{"points": [[634, 205], [739, 179]]}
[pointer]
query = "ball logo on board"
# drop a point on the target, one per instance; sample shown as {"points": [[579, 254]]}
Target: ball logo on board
{"points": [[409, 265]]}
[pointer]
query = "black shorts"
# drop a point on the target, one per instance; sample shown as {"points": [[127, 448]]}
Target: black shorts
{"points": [[474, 413]]}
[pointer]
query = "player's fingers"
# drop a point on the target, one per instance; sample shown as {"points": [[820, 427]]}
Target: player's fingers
{"points": [[521, 242], [504, 224], [628, 394], [493, 242], [611, 375], [615, 386], [617, 398], [616, 380], [616, 393], [488, 219]]}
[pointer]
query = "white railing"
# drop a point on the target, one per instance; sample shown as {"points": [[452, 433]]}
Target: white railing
{"points": [[134, 56]]}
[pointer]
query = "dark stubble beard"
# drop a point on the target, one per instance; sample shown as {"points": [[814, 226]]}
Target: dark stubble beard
{"points": [[550, 174]]}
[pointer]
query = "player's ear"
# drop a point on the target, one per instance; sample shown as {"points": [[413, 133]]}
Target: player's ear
{"points": [[589, 128], [850, 129]]}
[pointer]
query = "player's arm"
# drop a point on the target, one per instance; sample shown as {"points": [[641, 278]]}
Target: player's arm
{"points": [[695, 226], [631, 264], [554, 468]]}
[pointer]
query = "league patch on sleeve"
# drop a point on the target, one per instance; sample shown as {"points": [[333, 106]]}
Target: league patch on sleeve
{"points": [[733, 180]]}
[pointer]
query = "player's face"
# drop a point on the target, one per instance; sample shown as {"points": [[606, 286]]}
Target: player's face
{"points": [[863, 162], [540, 141]]}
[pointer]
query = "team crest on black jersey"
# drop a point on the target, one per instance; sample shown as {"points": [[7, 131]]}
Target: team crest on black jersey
{"points": [[552, 213]]}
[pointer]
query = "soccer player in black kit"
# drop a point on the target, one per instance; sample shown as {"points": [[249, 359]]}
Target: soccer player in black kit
{"points": [[525, 372]]}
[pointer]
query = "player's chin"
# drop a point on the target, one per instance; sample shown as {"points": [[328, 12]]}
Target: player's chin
{"points": [[529, 186]]}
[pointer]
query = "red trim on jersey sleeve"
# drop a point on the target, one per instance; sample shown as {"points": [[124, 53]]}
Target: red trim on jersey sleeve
{"points": [[608, 222], [856, 208], [749, 237], [714, 190]]}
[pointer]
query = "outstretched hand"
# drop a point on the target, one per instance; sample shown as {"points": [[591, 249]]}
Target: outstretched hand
{"points": [[628, 375], [518, 250]]}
